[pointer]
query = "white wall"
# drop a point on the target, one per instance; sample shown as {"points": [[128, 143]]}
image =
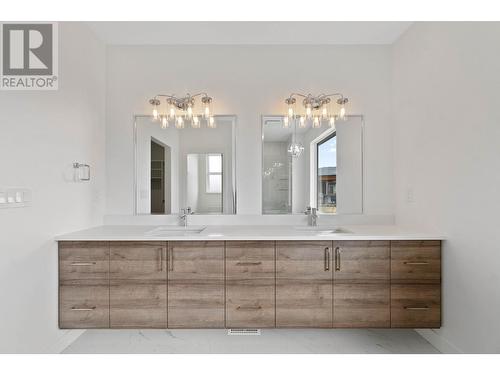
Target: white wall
{"points": [[446, 104], [248, 81], [42, 134]]}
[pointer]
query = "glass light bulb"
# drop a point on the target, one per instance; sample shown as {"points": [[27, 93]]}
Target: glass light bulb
{"points": [[164, 122], [172, 112], [332, 121], [196, 122], [316, 122], [286, 123], [308, 111], [302, 122], [155, 113], [211, 122], [180, 122], [324, 113], [342, 113], [290, 111], [190, 111], [207, 111]]}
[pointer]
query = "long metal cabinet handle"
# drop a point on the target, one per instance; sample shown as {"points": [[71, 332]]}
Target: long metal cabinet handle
{"points": [[83, 308], [248, 263], [83, 264], [337, 258], [170, 259], [160, 258], [416, 307], [327, 258], [249, 308], [416, 263]]}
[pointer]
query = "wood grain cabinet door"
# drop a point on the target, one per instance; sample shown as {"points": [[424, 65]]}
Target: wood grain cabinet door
{"points": [[250, 284], [138, 285], [304, 284], [196, 284], [361, 284]]}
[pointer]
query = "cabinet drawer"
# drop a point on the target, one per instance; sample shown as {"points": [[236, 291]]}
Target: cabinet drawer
{"points": [[249, 259], [416, 306], [416, 262], [138, 306], [82, 306], [83, 261], [250, 304]]}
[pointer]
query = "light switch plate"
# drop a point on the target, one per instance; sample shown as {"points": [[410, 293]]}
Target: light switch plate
{"points": [[15, 197]]}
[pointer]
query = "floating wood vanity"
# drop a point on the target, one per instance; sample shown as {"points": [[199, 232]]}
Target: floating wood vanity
{"points": [[250, 284]]}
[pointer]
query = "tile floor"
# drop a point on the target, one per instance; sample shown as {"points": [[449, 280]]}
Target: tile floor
{"points": [[379, 341]]}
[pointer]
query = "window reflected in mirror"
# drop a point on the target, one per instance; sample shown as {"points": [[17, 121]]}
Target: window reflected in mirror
{"points": [[204, 183]]}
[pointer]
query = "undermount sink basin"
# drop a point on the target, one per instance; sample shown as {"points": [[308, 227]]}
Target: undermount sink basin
{"points": [[319, 230], [175, 231]]}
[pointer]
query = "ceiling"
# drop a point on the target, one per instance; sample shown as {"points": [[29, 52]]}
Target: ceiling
{"points": [[154, 33]]}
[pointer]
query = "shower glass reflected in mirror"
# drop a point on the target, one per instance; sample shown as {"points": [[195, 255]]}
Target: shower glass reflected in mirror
{"points": [[318, 166], [186, 167]]}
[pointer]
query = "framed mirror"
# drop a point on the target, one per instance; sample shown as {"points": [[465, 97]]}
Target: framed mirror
{"points": [[318, 167], [184, 168]]}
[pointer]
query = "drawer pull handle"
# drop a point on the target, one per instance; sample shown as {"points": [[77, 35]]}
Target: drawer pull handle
{"points": [[416, 307], [160, 258], [83, 264], [327, 258], [248, 263], [337, 258], [83, 308], [416, 263], [249, 308], [170, 259]]}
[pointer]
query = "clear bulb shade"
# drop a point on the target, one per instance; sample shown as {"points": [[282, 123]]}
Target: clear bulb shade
{"points": [[308, 111], [342, 113], [324, 113], [179, 123], [164, 122], [196, 122], [211, 122], [206, 112], [171, 113], [155, 113], [331, 122], [316, 122], [286, 122], [302, 122], [290, 111], [189, 111]]}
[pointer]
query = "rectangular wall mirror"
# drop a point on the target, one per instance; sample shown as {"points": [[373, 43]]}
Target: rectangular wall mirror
{"points": [[188, 167], [328, 173]]}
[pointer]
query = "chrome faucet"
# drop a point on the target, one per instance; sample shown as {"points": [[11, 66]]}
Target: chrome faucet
{"points": [[183, 218], [312, 216]]}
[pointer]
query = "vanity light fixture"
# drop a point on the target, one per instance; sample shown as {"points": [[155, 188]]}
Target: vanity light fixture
{"points": [[182, 110], [316, 110]]}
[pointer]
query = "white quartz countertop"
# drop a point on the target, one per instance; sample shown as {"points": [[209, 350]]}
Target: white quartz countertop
{"points": [[246, 232]]}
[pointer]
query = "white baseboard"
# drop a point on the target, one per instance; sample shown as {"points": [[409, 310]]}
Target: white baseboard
{"points": [[438, 341], [65, 340]]}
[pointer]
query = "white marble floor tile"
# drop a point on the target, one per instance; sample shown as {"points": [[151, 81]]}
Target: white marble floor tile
{"points": [[273, 341]]}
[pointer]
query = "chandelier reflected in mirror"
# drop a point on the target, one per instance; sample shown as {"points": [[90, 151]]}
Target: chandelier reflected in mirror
{"points": [[179, 111]]}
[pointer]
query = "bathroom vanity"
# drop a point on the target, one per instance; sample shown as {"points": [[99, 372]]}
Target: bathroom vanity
{"points": [[127, 277]]}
